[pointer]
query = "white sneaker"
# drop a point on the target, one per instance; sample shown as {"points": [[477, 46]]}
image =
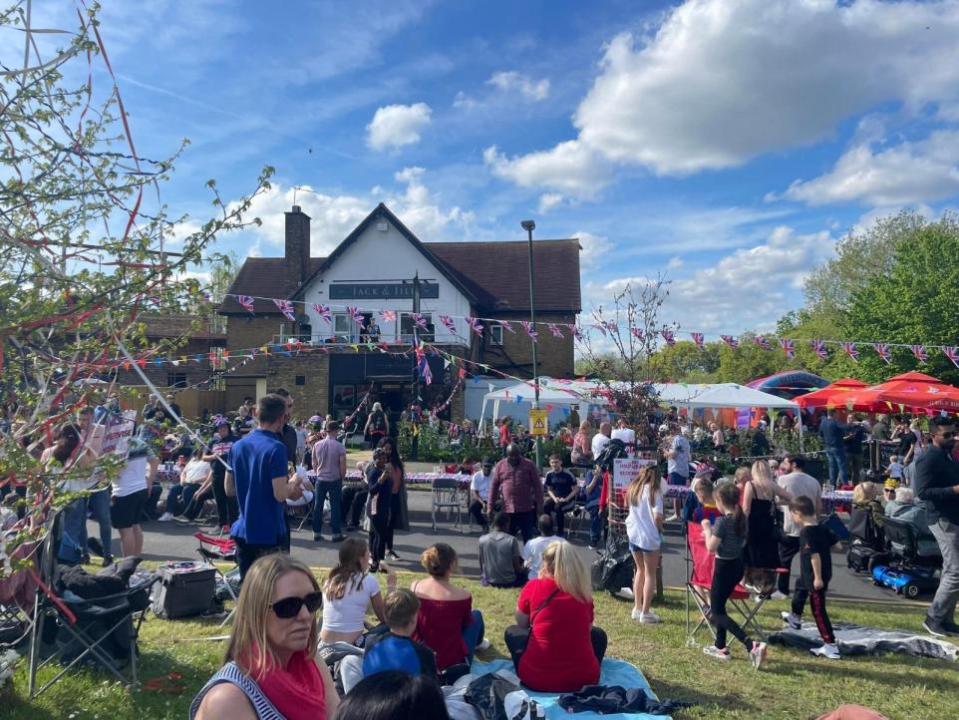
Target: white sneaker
{"points": [[672, 518], [758, 654], [792, 620], [636, 614], [165, 517], [717, 654], [650, 618], [626, 593], [827, 650], [484, 645]]}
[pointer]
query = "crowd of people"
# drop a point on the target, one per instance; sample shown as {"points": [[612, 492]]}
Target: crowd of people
{"points": [[259, 466]]}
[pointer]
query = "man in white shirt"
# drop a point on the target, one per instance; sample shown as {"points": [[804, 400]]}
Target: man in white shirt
{"points": [[795, 482], [601, 439], [534, 549], [625, 435], [479, 494]]}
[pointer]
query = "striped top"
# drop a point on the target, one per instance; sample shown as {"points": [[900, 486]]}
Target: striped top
{"points": [[231, 673]]}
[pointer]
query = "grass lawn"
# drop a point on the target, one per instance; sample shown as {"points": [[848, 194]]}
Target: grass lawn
{"points": [[792, 685]]}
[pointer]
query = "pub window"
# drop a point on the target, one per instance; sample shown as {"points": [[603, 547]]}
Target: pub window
{"points": [[496, 334], [343, 326], [176, 380], [407, 325]]}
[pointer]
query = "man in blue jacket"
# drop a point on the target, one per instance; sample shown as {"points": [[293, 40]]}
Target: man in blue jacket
{"points": [[937, 485]]}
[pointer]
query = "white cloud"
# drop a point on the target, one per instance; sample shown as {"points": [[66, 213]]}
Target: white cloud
{"points": [[513, 81], [333, 217], [396, 125], [675, 263], [719, 81], [594, 248], [462, 101], [750, 288], [570, 167], [549, 201], [904, 174]]}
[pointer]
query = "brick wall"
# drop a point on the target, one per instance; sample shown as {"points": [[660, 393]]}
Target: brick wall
{"points": [[159, 375], [515, 356], [311, 398], [243, 333]]}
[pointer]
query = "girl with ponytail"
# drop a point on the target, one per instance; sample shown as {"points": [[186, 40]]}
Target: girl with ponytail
{"points": [[727, 538]]}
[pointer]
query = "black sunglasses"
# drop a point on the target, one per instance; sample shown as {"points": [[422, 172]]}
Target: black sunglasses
{"points": [[290, 607]]}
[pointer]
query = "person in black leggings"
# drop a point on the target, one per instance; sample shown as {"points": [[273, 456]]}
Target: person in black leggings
{"points": [[378, 481], [727, 539]]}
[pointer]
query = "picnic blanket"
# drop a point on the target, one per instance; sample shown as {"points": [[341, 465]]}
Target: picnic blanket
{"points": [[861, 640], [612, 672]]}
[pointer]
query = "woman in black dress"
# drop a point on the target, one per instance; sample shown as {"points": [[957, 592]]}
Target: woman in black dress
{"points": [[399, 518], [762, 544]]}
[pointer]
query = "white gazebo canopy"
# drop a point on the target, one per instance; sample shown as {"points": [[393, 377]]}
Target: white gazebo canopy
{"points": [[720, 395], [551, 392]]}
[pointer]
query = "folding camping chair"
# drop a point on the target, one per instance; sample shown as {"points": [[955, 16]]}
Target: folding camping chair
{"points": [[446, 494], [223, 550], [699, 571]]}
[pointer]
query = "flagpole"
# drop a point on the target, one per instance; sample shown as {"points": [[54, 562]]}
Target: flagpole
{"points": [[529, 226]]}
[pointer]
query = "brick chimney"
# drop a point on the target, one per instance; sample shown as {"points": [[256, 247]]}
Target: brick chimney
{"points": [[297, 244]]}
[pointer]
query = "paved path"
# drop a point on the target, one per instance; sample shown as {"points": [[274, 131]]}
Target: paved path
{"points": [[172, 541]]}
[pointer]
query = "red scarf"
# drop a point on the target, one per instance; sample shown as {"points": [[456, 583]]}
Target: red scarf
{"points": [[297, 690]]}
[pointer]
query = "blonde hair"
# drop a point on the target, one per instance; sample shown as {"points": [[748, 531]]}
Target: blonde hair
{"points": [[742, 475], [377, 407], [648, 476], [562, 563], [865, 492], [761, 471], [249, 645]]}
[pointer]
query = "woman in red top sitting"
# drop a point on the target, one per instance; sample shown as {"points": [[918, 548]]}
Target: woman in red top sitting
{"points": [[271, 659], [446, 622], [555, 611]]}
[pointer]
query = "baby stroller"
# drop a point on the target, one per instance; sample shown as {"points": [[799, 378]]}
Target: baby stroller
{"points": [[867, 543], [912, 562]]}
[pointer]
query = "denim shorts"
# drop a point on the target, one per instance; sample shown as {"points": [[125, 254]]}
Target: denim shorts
{"points": [[675, 478], [637, 548]]}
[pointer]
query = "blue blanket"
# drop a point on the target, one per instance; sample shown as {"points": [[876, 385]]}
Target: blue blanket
{"points": [[612, 672]]}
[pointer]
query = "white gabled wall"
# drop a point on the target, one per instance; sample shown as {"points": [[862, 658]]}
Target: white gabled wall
{"points": [[378, 256]]}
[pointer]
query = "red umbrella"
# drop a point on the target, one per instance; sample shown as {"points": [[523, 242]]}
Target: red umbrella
{"points": [[830, 396], [909, 390]]}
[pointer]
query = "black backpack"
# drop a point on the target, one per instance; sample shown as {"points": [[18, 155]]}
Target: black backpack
{"points": [[615, 449]]}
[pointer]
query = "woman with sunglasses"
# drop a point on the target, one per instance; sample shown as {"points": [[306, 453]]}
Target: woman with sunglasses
{"points": [[270, 671]]}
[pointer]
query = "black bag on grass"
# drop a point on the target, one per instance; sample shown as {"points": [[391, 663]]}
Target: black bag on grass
{"points": [[614, 568]]}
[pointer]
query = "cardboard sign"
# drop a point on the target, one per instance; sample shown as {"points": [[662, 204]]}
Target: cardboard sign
{"points": [[117, 431], [626, 469], [538, 424]]}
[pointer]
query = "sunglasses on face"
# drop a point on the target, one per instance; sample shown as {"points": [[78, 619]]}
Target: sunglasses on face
{"points": [[289, 607]]}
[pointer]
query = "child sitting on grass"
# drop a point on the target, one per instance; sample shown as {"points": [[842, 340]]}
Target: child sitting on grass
{"points": [[815, 563], [393, 650]]}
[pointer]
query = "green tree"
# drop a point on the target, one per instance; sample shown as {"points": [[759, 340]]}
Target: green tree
{"points": [[916, 301]]}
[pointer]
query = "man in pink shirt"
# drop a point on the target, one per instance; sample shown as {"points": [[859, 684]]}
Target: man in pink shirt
{"points": [[517, 480], [329, 464]]}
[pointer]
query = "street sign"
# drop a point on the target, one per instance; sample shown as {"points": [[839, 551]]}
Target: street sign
{"points": [[538, 424]]}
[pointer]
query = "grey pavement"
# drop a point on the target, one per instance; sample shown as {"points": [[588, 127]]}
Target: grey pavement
{"points": [[172, 541]]}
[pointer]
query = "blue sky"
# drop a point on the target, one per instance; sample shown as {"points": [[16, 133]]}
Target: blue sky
{"points": [[726, 143]]}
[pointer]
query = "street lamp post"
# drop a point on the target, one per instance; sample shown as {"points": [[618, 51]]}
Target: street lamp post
{"points": [[529, 226]]}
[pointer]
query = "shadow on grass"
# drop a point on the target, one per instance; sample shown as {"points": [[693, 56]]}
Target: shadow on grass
{"points": [[674, 691], [19, 708]]}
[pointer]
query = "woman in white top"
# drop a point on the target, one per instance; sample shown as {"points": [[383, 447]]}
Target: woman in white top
{"points": [[348, 591], [644, 527]]}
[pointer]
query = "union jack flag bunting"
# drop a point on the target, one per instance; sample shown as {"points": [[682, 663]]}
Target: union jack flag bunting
{"points": [[761, 342], [919, 351], [246, 301], [448, 323], [388, 315], [883, 351], [636, 333], [730, 341], [699, 339], [475, 325], [669, 337], [419, 321], [576, 332], [819, 347], [323, 311], [506, 326], [528, 327], [356, 316], [953, 354], [554, 330], [286, 307], [850, 349], [423, 363]]}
